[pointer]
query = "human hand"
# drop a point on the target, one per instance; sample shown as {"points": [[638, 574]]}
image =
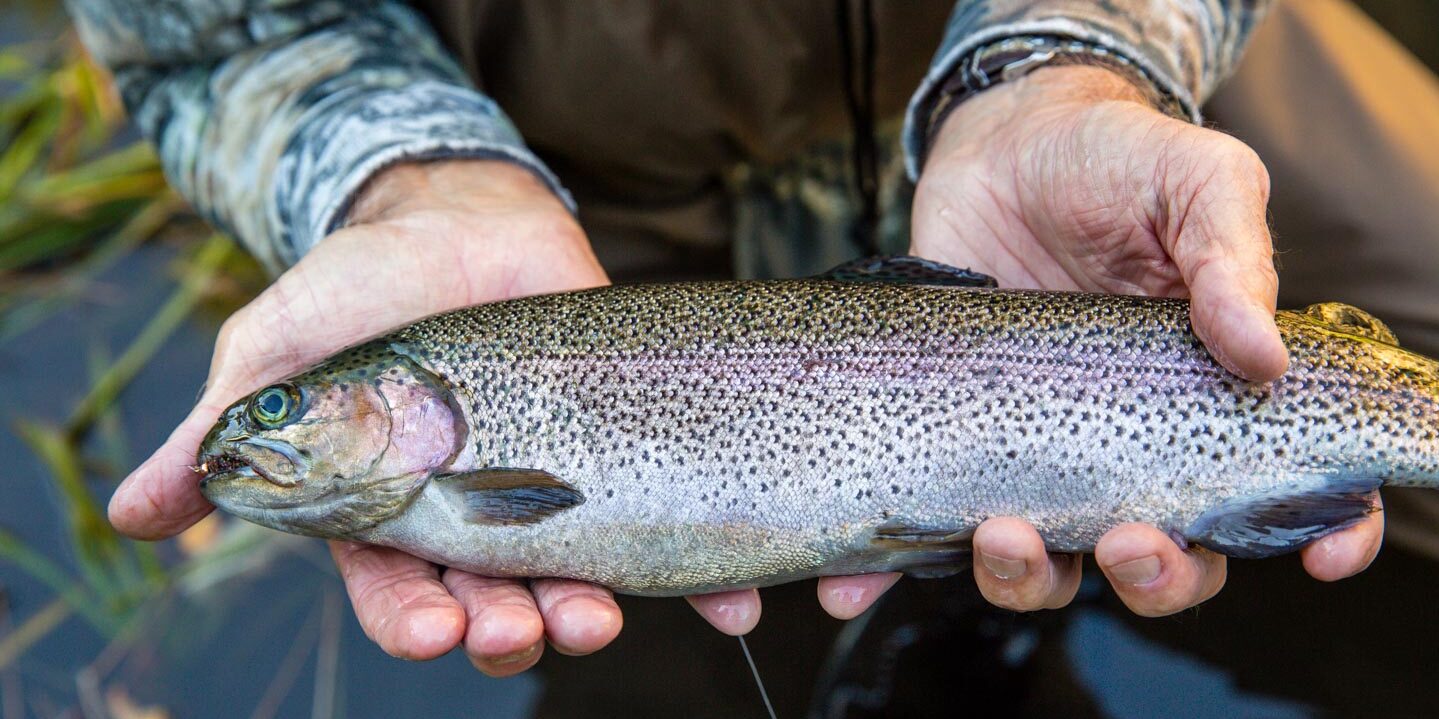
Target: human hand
{"points": [[424, 238], [1067, 180]]}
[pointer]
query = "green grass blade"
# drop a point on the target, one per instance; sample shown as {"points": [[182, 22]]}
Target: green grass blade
{"points": [[57, 579], [24, 151], [14, 644], [59, 238], [192, 288], [96, 545], [80, 277]]}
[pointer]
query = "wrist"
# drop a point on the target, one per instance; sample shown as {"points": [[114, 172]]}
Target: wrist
{"points": [[1055, 91], [416, 186], [1057, 84]]}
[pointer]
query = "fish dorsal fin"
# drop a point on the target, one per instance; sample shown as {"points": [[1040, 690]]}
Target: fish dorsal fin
{"points": [[510, 496], [1284, 520], [907, 270], [1350, 320]]}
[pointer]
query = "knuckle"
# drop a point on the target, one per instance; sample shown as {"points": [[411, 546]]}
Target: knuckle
{"points": [[229, 336], [1239, 162], [233, 324], [380, 601]]}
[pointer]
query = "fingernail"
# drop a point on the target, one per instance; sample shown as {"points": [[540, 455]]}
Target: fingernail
{"points": [[1003, 567], [434, 628], [518, 656], [847, 594], [1136, 571], [733, 612], [585, 625], [1329, 546]]}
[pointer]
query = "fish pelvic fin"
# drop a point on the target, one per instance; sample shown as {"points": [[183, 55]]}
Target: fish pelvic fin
{"points": [[907, 270], [502, 496], [1285, 520], [925, 552]]}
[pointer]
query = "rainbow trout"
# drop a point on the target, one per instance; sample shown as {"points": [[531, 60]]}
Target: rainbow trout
{"points": [[678, 438]]}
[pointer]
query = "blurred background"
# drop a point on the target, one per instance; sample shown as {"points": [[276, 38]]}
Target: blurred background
{"points": [[111, 293]]}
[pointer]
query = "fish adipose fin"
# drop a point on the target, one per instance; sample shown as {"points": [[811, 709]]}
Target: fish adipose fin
{"points": [[1283, 521], [907, 270], [510, 496], [926, 552]]}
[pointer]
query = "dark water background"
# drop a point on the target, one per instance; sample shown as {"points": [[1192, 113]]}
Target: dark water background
{"points": [[1273, 644]]}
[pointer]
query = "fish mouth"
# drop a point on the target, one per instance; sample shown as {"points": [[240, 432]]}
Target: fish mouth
{"points": [[227, 466]]}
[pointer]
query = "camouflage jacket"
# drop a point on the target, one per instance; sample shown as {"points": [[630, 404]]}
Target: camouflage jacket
{"points": [[270, 115]]}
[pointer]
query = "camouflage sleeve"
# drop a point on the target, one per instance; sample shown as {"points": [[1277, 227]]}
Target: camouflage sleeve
{"points": [[1180, 49], [269, 115]]}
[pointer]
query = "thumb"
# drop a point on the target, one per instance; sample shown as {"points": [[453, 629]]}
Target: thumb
{"points": [[1223, 250], [162, 497]]}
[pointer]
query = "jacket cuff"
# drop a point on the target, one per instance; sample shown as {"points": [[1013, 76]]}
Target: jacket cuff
{"points": [[969, 66], [352, 136]]}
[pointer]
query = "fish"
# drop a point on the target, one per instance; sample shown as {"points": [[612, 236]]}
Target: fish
{"points": [[683, 438]]}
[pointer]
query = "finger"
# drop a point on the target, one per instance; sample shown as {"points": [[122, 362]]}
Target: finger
{"points": [[399, 600], [1347, 553], [1014, 571], [734, 613], [580, 617], [504, 634], [1226, 256], [848, 597], [1152, 575]]}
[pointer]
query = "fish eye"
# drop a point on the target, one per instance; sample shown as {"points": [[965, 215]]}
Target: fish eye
{"points": [[274, 405]]}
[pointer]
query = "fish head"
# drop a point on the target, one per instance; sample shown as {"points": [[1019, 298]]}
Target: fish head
{"points": [[335, 450], [1385, 397]]}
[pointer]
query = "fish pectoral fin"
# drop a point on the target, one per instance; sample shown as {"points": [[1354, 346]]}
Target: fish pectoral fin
{"points": [[1283, 521], [907, 270], [510, 496]]}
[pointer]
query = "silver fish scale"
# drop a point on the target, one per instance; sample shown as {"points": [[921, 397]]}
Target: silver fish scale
{"points": [[745, 433]]}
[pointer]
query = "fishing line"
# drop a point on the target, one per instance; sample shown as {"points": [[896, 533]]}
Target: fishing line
{"points": [[758, 682]]}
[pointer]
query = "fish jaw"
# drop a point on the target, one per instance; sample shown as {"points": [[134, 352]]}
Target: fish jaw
{"points": [[367, 430]]}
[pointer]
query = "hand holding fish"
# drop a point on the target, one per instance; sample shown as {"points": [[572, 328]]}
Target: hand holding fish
{"points": [[993, 195], [1067, 180], [474, 232], [452, 234]]}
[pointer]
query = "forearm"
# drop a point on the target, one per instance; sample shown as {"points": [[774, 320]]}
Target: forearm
{"points": [[271, 121], [1178, 50]]}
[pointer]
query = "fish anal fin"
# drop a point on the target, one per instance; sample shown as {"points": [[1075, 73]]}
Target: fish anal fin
{"points": [[1284, 521], [907, 270], [510, 496]]}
